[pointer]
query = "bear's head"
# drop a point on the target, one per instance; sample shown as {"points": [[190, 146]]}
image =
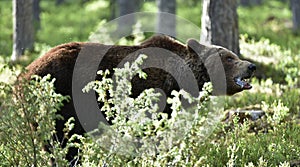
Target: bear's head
{"points": [[227, 72]]}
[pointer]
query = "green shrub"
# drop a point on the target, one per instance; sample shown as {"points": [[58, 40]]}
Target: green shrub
{"points": [[27, 125]]}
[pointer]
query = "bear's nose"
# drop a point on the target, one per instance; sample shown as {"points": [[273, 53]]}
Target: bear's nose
{"points": [[252, 67]]}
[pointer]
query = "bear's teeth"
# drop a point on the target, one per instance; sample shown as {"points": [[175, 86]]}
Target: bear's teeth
{"points": [[246, 80], [239, 82]]}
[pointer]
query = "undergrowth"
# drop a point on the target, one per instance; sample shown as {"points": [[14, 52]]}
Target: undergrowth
{"points": [[27, 122]]}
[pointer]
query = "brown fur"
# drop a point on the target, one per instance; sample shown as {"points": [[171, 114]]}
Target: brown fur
{"points": [[60, 61]]}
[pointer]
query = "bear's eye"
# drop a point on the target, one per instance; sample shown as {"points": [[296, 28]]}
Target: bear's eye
{"points": [[229, 59]]}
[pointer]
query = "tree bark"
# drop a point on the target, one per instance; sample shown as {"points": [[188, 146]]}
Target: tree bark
{"points": [[220, 24], [125, 25], [59, 2], [166, 23], [112, 7], [36, 14], [23, 28], [295, 5], [250, 2]]}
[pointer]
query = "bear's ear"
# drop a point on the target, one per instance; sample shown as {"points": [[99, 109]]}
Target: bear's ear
{"points": [[198, 50], [194, 46]]}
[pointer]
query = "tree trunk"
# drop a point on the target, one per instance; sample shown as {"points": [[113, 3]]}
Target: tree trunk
{"points": [[250, 2], [125, 25], [220, 24], [23, 28], [166, 23], [295, 4], [36, 14], [58, 2], [112, 7]]}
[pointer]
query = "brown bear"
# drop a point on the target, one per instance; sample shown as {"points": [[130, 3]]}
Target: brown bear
{"points": [[222, 67]]}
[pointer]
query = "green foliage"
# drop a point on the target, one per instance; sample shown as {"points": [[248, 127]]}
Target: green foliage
{"points": [[5, 27], [71, 21], [274, 23], [27, 123], [60, 24]]}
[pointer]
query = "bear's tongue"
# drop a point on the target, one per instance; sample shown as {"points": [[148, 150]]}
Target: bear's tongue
{"points": [[242, 83]]}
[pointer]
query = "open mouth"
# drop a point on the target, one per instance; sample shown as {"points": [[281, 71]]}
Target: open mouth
{"points": [[243, 82]]}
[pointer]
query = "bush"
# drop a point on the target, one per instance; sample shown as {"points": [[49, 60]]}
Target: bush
{"points": [[27, 125]]}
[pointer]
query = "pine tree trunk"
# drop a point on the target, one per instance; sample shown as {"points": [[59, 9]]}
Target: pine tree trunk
{"points": [[58, 2], [23, 27], [112, 7], [220, 24], [166, 23], [295, 4], [125, 25], [250, 2], [36, 14]]}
